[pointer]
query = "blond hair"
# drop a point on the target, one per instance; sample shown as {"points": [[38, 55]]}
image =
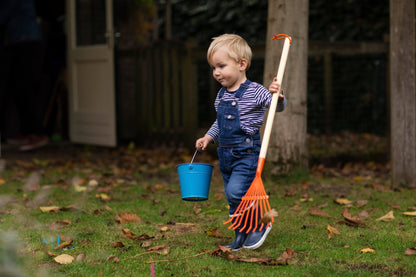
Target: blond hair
{"points": [[237, 47]]}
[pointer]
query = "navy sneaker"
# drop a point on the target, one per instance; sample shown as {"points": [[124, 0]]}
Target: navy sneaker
{"points": [[240, 238], [255, 240]]}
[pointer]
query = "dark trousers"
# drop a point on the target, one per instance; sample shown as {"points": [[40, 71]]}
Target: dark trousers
{"points": [[22, 76]]}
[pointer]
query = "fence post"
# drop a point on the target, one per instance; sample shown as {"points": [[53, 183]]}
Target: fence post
{"points": [[189, 96]]}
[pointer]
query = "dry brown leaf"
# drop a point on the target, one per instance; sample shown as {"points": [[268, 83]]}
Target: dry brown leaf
{"points": [[318, 212], [80, 257], [127, 217], [215, 233], [64, 244], [363, 214], [343, 201], [410, 251], [351, 220], [296, 208], [361, 203], [288, 257], [112, 258], [60, 223], [160, 249], [118, 244], [48, 209], [127, 233], [268, 217], [410, 213], [64, 259], [332, 231], [146, 243], [388, 217], [197, 209]]}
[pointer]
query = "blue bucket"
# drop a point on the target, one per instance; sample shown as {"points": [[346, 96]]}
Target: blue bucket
{"points": [[195, 179]]}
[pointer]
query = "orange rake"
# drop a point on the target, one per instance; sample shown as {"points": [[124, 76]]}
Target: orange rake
{"points": [[256, 198]]}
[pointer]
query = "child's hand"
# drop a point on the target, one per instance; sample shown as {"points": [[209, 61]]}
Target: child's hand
{"points": [[274, 88], [202, 143]]}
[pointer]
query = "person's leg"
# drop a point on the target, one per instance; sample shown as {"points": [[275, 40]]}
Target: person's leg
{"points": [[27, 68], [4, 81], [239, 166]]}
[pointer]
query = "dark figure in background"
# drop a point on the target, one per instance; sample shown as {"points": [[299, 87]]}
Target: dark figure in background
{"points": [[21, 69]]}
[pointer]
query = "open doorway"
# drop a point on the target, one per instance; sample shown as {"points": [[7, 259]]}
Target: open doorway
{"points": [[49, 85], [51, 14]]}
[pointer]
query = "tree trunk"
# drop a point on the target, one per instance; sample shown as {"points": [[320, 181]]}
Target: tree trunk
{"points": [[403, 92], [287, 148]]}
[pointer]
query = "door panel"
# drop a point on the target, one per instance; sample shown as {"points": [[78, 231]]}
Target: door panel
{"points": [[91, 72]]}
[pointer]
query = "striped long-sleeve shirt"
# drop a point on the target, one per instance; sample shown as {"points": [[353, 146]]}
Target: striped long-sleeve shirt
{"points": [[251, 107]]}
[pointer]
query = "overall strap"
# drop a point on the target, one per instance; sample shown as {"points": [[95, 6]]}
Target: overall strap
{"points": [[243, 87], [239, 93]]}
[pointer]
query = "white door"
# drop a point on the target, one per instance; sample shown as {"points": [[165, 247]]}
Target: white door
{"points": [[92, 114]]}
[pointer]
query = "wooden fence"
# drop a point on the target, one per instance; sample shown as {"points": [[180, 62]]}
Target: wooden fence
{"points": [[159, 98]]}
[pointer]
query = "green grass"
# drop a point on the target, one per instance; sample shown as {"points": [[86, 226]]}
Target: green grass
{"points": [[146, 184]]}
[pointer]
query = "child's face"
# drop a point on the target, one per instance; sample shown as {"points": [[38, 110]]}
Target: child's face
{"points": [[226, 70]]}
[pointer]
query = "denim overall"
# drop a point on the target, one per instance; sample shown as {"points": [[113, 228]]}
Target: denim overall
{"points": [[238, 152]]}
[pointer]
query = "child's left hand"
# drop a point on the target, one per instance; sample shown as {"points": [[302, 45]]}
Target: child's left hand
{"points": [[274, 88]]}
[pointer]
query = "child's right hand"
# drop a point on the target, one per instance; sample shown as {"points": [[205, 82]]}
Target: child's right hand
{"points": [[202, 143]]}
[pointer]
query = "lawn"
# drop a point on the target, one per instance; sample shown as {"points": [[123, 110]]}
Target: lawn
{"points": [[119, 212]]}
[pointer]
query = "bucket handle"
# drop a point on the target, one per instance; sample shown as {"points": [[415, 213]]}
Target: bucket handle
{"points": [[196, 151]]}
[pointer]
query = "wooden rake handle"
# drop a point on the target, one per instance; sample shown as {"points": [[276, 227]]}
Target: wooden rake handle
{"points": [[275, 99]]}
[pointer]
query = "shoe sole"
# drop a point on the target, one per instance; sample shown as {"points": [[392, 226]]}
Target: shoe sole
{"points": [[260, 242], [29, 147]]}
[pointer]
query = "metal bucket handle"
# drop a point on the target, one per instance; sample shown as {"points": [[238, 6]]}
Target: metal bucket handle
{"points": [[196, 151]]}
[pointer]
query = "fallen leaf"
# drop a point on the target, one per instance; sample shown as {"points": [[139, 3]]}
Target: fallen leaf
{"points": [[48, 209], [112, 258], [160, 249], [410, 213], [127, 217], [2, 182], [296, 208], [197, 209], [92, 183], [388, 217], [64, 244], [214, 233], [351, 220], [361, 203], [343, 201], [80, 257], [164, 229], [268, 217], [146, 243], [103, 196], [318, 212], [126, 232], [64, 259], [367, 250], [410, 251], [60, 223], [118, 244], [79, 188], [332, 231], [363, 214]]}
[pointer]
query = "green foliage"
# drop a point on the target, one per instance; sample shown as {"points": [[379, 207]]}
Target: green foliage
{"points": [[352, 20]]}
